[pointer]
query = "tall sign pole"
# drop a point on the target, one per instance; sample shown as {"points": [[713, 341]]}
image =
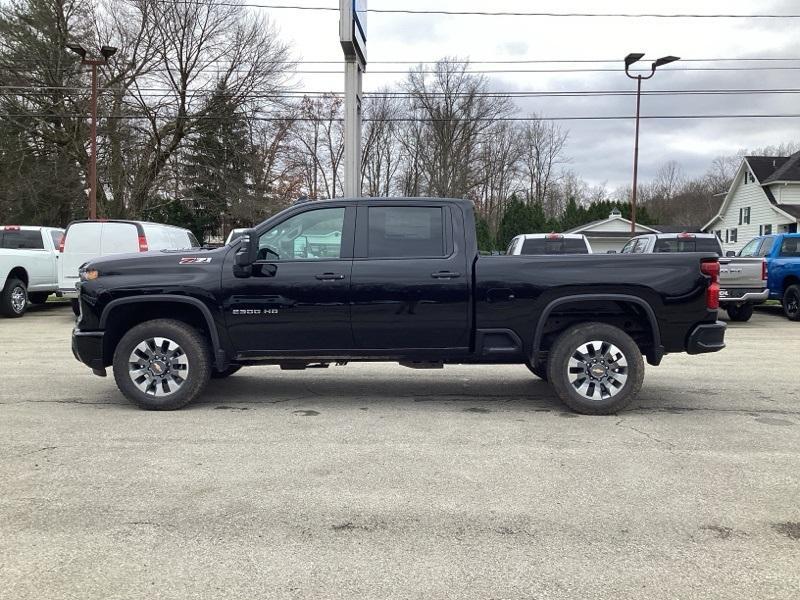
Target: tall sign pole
{"points": [[353, 37]]}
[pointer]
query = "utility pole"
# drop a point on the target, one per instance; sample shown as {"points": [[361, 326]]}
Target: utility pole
{"points": [[629, 60], [106, 52], [353, 38]]}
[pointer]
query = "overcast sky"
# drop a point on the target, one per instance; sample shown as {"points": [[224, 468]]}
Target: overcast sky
{"points": [[599, 151]]}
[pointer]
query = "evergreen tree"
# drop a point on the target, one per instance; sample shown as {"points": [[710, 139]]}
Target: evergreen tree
{"points": [[216, 166]]}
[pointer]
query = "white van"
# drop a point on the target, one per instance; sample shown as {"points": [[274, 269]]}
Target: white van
{"points": [[85, 240]]}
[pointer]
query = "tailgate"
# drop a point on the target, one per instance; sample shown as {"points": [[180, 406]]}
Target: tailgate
{"points": [[737, 273]]}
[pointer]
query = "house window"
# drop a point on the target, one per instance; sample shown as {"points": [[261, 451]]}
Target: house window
{"points": [[767, 230], [746, 215], [734, 235]]}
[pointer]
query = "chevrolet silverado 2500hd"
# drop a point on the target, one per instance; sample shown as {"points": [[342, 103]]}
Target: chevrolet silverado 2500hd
{"points": [[390, 280]]}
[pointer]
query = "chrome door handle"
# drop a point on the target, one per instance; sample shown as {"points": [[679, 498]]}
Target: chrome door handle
{"points": [[329, 276]]}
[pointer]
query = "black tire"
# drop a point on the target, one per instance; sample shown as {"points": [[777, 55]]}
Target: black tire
{"points": [[38, 297], [226, 373], [14, 299], [741, 313], [539, 371], [194, 349], [568, 345], [76, 307], [791, 302]]}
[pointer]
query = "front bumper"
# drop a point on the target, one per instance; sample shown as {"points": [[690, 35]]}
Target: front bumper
{"points": [[708, 337], [87, 347], [743, 295]]}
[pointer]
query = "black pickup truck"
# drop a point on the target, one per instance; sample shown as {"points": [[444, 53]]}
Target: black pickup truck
{"points": [[390, 280]]}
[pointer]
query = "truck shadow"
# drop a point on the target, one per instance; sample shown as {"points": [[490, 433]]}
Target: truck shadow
{"points": [[259, 389]]}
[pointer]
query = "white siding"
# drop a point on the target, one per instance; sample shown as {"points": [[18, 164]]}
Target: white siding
{"points": [[786, 193], [615, 225], [745, 195]]}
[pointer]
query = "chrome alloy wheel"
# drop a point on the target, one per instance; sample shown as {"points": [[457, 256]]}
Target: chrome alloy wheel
{"points": [[18, 299], [158, 366], [597, 370]]}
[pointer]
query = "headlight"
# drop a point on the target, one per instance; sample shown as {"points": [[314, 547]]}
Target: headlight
{"points": [[88, 274]]}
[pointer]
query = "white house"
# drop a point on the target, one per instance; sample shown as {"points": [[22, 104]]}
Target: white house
{"points": [[611, 233], [764, 198]]}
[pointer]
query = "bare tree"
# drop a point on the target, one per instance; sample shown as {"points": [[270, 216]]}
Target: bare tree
{"points": [[499, 160], [543, 145], [319, 145], [456, 113], [381, 153]]}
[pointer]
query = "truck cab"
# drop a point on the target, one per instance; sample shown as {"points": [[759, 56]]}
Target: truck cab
{"points": [[781, 255]]}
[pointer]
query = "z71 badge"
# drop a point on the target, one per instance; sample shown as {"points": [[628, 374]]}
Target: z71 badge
{"points": [[195, 260]]}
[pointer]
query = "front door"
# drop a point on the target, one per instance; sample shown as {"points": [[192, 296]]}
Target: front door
{"points": [[410, 287], [297, 298]]}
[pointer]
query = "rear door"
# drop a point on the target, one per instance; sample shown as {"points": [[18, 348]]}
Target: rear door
{"points": [[410, 282]]}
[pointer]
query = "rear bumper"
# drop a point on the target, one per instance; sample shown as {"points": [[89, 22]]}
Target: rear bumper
{"points": [[87, 347], [709, 337], [743, 295]]}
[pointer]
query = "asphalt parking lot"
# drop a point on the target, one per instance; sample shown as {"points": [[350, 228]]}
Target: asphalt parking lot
{"points": [[376, 481]]}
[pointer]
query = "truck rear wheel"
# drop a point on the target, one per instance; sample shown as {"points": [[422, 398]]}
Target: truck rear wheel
{"points": [[162, 364], [14, 299], [595, 369], [741, 312], [791, 302]]}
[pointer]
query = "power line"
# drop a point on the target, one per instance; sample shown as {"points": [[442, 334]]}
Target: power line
{"points": [[481, 13], [424, 120], [152, 92]]}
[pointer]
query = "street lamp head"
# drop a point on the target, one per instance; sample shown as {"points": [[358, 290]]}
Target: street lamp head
{"points": [[665, 60], [78, 49], [632, 58], [108, 51]]}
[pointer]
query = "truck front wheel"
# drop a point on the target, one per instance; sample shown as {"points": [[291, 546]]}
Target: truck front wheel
{"points": [[162, 364], [595, 369], [741, 312], [14, 298]]}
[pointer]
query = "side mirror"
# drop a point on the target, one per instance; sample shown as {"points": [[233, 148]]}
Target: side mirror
{"points": [[730, 253], [246, 254]]}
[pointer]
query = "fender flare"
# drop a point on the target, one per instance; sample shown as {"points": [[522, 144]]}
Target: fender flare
{"points": [[552, 305], [219, 352]]}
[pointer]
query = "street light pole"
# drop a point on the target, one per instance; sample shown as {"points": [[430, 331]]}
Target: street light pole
{"points": [[106, 53], [629, 60]]}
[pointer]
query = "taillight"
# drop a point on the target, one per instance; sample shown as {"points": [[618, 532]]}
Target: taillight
{"points": [[11, 228], [764, 270], [686, 236], [61, 243], [143, 243], [554, 236], [711, 269]]}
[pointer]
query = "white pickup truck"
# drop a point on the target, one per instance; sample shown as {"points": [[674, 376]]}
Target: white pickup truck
{"points": [[742, 280], [28, 266]]}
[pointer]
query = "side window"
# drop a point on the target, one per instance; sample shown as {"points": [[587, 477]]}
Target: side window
{"points": [[751, 249], [790, 247], [405, 232], [628, 248], [312, 235], [766, 247], [57, 237]]}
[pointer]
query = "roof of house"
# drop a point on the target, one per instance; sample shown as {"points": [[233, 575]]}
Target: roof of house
{"points": [[764, 166], [789, 170], [614, 216]]}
